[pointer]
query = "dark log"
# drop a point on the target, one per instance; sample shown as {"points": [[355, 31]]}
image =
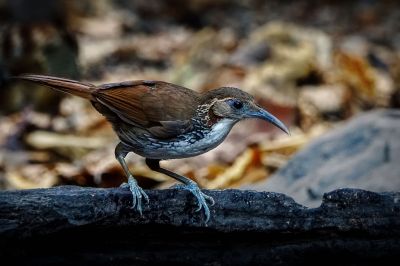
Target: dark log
{"points": [[85, 226]]}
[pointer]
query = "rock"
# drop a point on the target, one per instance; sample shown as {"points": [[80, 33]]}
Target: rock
{"points": [[85, 226], [362, 154]]}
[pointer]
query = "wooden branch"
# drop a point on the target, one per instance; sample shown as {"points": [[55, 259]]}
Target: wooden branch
{"points": [[98, 225]]}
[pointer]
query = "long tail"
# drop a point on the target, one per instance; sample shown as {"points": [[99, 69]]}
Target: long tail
{"points": [[73, 87]]}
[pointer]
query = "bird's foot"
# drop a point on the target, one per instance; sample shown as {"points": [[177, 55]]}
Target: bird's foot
{"points": [[137, 194], [200, 196]]}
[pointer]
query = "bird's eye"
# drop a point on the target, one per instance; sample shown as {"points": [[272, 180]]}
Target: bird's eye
{"points": [[235, 104]]}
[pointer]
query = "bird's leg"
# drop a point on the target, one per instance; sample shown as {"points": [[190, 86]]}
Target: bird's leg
{"points": [[188, 185], [137, 192]]}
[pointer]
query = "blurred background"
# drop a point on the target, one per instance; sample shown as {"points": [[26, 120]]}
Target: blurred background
{"points": [[313, 64]]}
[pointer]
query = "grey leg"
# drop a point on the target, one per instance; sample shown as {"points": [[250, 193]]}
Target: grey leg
{"points": [[188, 185], [137, 192]]}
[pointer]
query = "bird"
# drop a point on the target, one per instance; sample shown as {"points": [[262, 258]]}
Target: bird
{"points": [[160, 121]]}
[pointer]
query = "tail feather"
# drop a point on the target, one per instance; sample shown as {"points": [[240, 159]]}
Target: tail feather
{"points": [[73, 87]]}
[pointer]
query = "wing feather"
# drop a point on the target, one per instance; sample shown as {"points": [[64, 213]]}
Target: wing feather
{"points": [[158, 107]]}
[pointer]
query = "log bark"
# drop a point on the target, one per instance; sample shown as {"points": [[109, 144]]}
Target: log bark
{"points": [[83, 226]]}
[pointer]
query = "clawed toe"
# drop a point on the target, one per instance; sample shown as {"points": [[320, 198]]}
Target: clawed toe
{"points": [[124, 185], [137, 195], [146, 198], [209, 198], [201, 198]]}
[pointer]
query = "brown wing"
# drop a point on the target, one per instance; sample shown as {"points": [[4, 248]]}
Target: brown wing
{"points": [[159, 107]]}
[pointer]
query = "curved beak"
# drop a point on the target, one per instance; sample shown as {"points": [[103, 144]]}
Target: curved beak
{"points": [[260, 113]]}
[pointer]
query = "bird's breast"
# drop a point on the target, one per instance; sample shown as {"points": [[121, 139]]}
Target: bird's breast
{"points": [[197, 141]]}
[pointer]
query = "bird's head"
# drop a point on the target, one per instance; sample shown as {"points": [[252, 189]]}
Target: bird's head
{"points": [[235, 104]]}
